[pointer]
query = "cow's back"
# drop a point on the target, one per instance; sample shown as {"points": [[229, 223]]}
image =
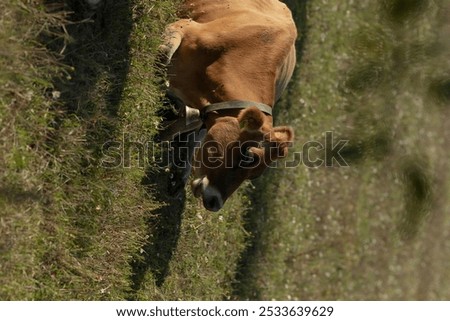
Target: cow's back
{"points": [[233, 50]]}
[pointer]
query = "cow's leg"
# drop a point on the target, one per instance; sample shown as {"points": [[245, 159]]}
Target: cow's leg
{"points": [[172, 38], [177, 118], [181, 161], [171, 123]]}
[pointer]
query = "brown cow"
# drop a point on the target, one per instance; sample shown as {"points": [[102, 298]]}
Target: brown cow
{"points": [[231, 60]]}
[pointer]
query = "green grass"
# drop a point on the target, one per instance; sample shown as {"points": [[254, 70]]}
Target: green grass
{"points": [[70, 227], [77, 87], [377, 229]]}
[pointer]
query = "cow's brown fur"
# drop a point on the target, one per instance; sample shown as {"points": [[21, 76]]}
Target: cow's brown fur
{"points": [[224, 50]]}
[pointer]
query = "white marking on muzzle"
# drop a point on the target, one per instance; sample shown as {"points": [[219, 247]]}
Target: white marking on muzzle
{"points": [[212, 199]]}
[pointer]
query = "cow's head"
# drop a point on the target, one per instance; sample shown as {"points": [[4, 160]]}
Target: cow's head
{"points": [[236, 149]]}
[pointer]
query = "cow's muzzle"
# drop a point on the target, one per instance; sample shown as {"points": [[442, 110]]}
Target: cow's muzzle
{"points": [[212, 199]]}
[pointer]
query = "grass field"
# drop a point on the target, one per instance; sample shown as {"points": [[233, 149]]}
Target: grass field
{"points": [[78, 83], [375, 74]]}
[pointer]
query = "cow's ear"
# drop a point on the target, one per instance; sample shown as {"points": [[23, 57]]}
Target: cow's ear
{"points": [[282, 138], [251, 119]]}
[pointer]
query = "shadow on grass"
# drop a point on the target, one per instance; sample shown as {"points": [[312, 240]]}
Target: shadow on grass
{"points": [[164, 224], [418, 196], [99, 53], [299, 12], [95, 45], [245, 285], [17, 194]]}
